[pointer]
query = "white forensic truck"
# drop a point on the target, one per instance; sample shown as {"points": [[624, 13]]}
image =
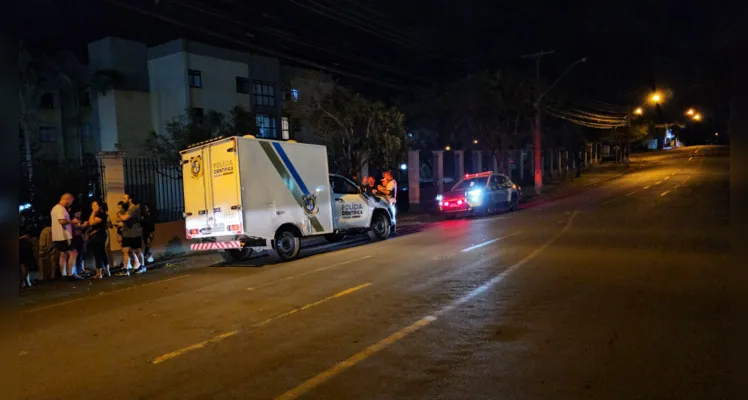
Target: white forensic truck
{"points": [[246, 193]]}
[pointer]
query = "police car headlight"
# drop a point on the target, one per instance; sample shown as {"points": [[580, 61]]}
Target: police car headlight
{"points": [[475, 194]]}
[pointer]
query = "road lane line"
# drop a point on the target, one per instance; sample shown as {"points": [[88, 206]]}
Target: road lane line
{"points": [[629, 194], [310, 305], [288, 278], [62, 303], [351, 361], [200, 345], [658, 182], [667, 177], [223, 336], [486, 243], [647, 187], [664, 193], [357, 358]]}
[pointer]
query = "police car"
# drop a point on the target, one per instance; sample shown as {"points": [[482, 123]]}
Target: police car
{"points": [[481, 193]]}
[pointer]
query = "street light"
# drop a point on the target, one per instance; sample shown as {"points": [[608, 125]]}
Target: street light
{"points": [[448, 148], [656, 97], [690, 111], [697, 117], [639, 111], [475, 141]]}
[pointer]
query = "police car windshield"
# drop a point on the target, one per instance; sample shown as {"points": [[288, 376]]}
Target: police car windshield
{"points": [[467, 184]]}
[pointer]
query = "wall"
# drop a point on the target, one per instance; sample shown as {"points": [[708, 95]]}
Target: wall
{"points": [[169, 89], [219, 83], [133, 121]]}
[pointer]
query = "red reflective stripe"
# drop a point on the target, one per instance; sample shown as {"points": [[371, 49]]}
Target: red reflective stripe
{"points": [[234, 244]]}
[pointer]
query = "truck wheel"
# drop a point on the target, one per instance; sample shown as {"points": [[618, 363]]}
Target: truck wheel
{"points": [[380, 226], [235, 255], [334, 237], [287, 244]]}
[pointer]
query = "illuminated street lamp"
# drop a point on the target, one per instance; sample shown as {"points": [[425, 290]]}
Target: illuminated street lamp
{"points": [[656, 98], [690, 111], [716, 133], [448, 148], [697, 117], [475, 141], [639, 111]]}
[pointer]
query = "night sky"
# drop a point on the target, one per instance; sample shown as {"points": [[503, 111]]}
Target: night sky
{"points": [[384, 47]]}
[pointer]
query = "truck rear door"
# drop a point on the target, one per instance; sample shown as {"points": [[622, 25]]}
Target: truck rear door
{"points": [[212, 193]]}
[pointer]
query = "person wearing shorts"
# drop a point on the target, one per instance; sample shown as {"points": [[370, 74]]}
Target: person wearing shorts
{"points": [[62, 235], [132, 238]]}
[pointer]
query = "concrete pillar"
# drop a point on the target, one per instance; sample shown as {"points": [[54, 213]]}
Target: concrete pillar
{"points": [[414, 177], [113, 180], [550, 153], [477, 161], [495, 163], [439, 169], [459, 164], [521, 165]]}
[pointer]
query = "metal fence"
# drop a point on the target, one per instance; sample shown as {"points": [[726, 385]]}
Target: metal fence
{"points": [[156, 184], [43, 182]]}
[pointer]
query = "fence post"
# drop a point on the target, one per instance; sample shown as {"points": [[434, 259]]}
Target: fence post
{"points": [[414, 178], [521, 165], [459, 164], [550, 153], [439, 169], [113, 180]]}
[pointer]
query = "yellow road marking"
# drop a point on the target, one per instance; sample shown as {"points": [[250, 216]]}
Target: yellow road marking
{"points": [[221, 337], [658, 182], [310, 305], [62, 303], [664, 193], [351, 361], [288, 278], [629, 194], [690, 158], [647, 187], [667, 177], [200, 345]]}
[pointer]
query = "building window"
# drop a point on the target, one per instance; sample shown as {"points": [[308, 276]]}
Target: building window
{"points": [[195, 77], [198, 115], [242, 85], [264, 93], [47, 134], [295, 95], [265, 126], [47, 101], [285, 132]]}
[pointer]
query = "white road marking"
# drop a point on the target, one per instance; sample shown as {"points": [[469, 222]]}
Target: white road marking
{"points": [[690, 158], [647, 187], [486, 243], [658, 182], [667, 177], [664, 193], [631, 193]]}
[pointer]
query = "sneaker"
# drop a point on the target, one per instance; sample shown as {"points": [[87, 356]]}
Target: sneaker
{"points": [[123, 273], [141, 270]]}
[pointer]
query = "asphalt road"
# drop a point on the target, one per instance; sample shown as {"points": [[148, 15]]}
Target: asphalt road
{"points": [[615, 293]]}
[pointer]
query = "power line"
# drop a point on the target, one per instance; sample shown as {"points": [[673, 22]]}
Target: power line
{"points": [[263, 49], [290, 37]]}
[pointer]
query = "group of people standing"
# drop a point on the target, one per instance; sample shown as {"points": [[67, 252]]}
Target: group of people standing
{"points": [[67, 239], [387, 188]]}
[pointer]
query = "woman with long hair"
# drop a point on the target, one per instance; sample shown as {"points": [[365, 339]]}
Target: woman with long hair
{"points": [[97, 236]]}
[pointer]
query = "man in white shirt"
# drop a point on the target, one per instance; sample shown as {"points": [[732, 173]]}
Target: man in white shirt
{"points": [[389, 189], [62, 235]]}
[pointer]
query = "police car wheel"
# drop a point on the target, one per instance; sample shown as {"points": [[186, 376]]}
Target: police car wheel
{"points": [[287, 244], [380, 226]]}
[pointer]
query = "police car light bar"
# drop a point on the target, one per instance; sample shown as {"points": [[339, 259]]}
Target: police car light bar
{"points": [[478, 175]]}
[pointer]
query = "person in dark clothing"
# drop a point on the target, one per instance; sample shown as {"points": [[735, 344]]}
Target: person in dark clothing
{"points": [[149, 232], [26, 258], [97, 238], [78, 243]]}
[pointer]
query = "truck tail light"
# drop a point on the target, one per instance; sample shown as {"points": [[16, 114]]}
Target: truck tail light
{"points": [[193, 232]]}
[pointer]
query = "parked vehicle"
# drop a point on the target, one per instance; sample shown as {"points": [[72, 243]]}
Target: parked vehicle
{"points": [[482, 193], [244, 193]]}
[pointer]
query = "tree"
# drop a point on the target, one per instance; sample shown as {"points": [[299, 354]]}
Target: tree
{"points": [[191, 127], [355, 130], [491, 107]]}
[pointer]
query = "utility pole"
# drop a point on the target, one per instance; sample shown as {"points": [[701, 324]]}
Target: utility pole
{"points": [[536, 132], [628, 135]]}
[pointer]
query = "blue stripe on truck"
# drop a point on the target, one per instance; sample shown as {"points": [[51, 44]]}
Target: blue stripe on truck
{"points": [[291, 168]]}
